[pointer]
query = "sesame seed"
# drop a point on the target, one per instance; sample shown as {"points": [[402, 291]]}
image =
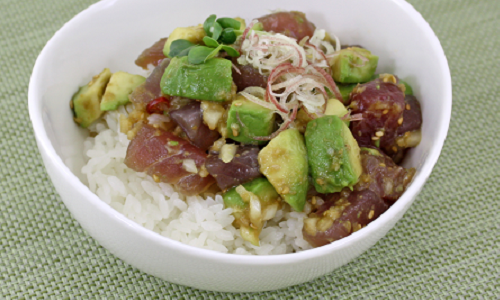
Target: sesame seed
{"points": [[408, 107], [385, 111], [400, 121], [402, 87], [156, 178], [379, 133], [375, 138]]}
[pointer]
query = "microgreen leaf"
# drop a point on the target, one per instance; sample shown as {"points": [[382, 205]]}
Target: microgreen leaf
{"points": [[230, 51], [210, 42], [180, 48], [238, 32], [197, 55], [209, 22], [213, 53], [228, 36], [216, 30], [201, 54], [229, 23]]}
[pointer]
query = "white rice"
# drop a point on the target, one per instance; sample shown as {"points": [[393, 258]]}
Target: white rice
{"points": [[194, 220]]}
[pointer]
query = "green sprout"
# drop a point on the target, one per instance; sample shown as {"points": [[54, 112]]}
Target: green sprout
{"points": [[220, 33]]}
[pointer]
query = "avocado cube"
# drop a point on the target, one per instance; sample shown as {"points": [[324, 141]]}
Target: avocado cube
{"points": [[86, 103], [345, 90], [243, 24], [284, 162], [255, 120], [251, 223], [260, 187], [350, 67], [333, 108], [121, 84], [333, 154], [211, 80], [408, 88], [336, 108], [371, 151], [194, 34]]}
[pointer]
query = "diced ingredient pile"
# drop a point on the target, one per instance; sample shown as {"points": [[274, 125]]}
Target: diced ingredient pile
{"points": [[277, 113]]}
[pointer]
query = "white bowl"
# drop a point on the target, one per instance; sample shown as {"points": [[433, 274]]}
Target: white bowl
{"points": [[112, 33]]}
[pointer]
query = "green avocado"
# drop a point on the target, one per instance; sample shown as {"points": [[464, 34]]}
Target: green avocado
{"points": [[255, 120], [408, 88], [211, 80], [345, 90], [333, 154], [120, 85], [349, 65], [372, 151], [257, 27], [284, 162], [336, 108], [260, 187], [251, 222], [86, 103]]}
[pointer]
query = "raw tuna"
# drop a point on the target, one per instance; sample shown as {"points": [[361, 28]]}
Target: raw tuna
{"points": [[150, 90], [163, 155], [339, 217], [381, 105], [244, 167], [408, 132], [293, 24], [190, 119], [248, 76], [153, 55], [382, 176], [412, 116]]}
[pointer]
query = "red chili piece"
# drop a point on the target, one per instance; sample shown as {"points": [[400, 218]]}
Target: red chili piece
{"points": [[158, 105]]}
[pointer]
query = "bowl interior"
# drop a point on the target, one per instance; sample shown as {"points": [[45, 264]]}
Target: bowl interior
{"points": [[113, 33]]}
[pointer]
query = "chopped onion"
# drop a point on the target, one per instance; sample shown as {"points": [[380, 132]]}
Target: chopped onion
{"points": [[270, 212], [250, 234], [157, 119], [409, 139], [318, 40], [356, 117], [227, 152], [212, 113], [245, 33], [236, 68], [255, 211], [189, 165]]}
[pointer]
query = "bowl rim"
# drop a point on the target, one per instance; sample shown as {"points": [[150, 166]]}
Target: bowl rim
{"points": [[45, 146]]}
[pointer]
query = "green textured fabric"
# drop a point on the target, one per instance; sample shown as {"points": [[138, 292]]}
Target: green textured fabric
{"points": [[446, 246]]}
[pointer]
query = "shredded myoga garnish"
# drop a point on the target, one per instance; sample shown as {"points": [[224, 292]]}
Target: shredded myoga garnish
{"points": [[265, 138]]}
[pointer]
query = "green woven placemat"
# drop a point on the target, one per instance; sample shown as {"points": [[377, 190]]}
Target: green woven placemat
{"points": [[446, 246]]}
